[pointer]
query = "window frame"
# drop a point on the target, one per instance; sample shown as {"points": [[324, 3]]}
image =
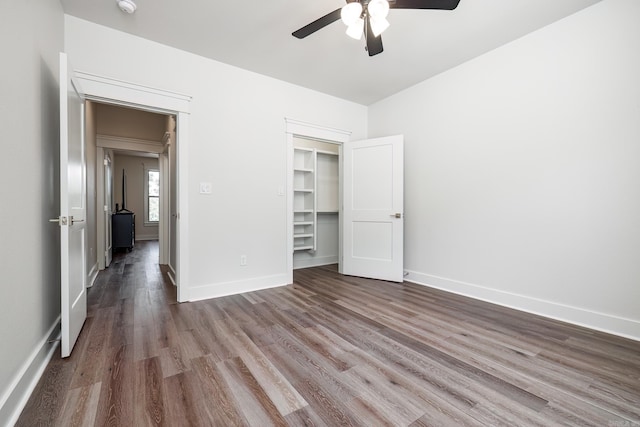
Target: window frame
{"points": [[147, 171]]}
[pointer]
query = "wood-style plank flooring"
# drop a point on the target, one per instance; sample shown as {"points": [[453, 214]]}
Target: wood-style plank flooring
{"points": [[327, 351]]}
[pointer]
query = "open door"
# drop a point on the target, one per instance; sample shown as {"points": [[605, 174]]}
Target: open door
{"points": [[373, 222], [72, 219]]}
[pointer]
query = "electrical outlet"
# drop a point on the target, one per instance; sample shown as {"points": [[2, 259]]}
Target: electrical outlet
{"points": [[243, 260]]}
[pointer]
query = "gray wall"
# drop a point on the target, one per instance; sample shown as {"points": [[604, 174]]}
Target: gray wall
{"points": [[522, 171], [31, 36]]}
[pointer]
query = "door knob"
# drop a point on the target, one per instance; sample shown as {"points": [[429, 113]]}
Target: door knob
{"points": [[61, 220], [396, 215]]}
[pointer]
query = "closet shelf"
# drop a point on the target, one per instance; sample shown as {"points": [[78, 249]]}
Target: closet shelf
{"points": [[304, 198]]}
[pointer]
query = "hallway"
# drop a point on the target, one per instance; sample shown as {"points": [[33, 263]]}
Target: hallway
{"points": [[128, 312]]}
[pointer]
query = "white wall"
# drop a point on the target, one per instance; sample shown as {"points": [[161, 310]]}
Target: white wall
{"points": [[522, 171], [236, 141], [31, 35]]}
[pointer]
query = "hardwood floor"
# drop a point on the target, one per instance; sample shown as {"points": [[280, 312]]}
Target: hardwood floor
{"points": [[327, 351]]}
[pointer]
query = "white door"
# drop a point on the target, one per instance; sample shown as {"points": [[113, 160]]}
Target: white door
{"points": [[108, 203], [373, 208], [72, 218]]}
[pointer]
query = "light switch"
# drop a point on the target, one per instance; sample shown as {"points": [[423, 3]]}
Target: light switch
{"points": [[205, 188]]}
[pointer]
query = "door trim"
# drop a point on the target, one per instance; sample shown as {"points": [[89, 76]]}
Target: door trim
{"points": [[100, 217], [163, 225], [305, 130], [118, 92]]}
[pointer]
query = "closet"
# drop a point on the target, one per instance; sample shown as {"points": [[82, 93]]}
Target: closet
{"points": [[315, 202]]}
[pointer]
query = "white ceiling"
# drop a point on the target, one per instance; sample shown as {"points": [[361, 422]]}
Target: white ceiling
{"points": [[256, 35]]}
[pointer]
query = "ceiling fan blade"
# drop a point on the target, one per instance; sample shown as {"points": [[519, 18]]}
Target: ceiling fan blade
{"points": [[424, 4], [374, 44], [318, 24]]}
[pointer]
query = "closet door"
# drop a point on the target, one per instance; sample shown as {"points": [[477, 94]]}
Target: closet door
{"points": [[373, 208]]}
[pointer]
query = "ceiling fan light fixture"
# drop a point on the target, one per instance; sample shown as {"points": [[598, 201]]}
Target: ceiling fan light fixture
{"points": [[378, 8], [357, 14], [350, 13], [378, 25], [355, 30]]}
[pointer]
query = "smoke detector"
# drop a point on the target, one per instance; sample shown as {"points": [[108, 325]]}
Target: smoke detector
{"points": [[127, 6]]}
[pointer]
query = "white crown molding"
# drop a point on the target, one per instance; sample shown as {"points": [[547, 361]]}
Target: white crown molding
{"points": [[297, 127], [105, 89]]}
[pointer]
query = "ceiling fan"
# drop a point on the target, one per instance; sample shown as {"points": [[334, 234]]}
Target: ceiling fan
{"points": [[369, 17]]}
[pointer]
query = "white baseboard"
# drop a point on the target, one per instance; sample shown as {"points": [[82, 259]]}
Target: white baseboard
{"points": [[627, 328], [15, 397], [93, 273], [236, 287], [624, 327], [314, 261]]}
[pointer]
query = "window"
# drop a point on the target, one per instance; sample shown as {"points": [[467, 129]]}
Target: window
{"points": [[152, 196]]}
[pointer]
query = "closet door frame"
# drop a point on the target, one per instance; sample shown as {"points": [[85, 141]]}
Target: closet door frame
{"points": [[320, 133]]}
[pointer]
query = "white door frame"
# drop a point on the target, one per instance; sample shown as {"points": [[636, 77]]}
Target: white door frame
{"points": [[163, 226], [101, 213], [322, 133], [116, 92], [100, 222]]}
